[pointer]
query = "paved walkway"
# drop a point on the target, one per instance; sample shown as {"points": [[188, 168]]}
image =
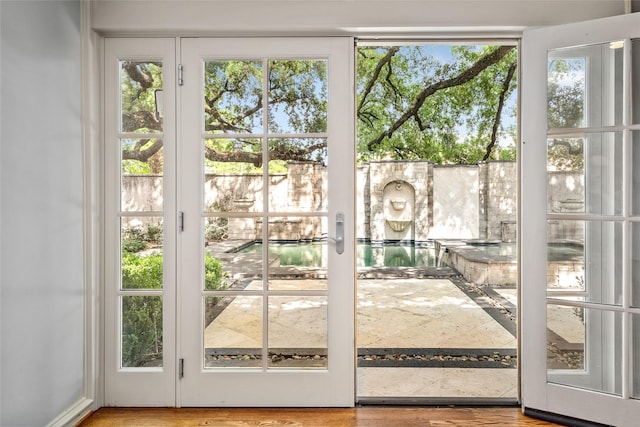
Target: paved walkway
{"points": [[394, 316], [421, 332]]}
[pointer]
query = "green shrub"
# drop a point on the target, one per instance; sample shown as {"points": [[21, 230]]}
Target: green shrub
{"points": [[133, 245], [213, 274], [142, 315], [141, 272], [141, 330]]}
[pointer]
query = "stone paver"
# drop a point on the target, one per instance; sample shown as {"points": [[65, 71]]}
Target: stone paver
{"points": [[397, 313]]}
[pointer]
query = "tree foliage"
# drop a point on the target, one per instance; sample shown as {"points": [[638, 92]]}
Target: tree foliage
{"points": [[418, 102], [566, 109], [414, 102]]}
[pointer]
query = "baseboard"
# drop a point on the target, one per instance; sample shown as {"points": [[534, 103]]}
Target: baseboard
{"points": [[73, 414]]}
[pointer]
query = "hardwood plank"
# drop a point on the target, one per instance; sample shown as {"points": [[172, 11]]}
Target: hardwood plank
{"points": [[370, 416]]}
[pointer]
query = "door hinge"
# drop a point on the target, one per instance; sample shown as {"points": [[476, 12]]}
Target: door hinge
{"points": [[181, 368], [181, 221], [180, 79]]}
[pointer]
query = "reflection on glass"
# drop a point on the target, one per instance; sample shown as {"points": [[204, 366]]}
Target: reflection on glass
{"points": [[586, 256], [584, 86], [584, 348], [228, 265], [298, 96], [141, 331], [566, 92], [142, 175], [142, 260], [584, 175], [233, 331], [141, 94], [298, 332], [233, 96]]}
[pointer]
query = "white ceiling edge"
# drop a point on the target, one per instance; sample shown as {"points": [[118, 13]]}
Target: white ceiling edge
{"points": [[361, 18]]}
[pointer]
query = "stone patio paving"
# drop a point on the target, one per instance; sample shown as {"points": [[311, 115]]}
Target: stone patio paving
{"points": [[428, 314]]}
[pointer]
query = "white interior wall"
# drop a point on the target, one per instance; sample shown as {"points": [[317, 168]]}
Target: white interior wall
{"points": [[41, 212]]}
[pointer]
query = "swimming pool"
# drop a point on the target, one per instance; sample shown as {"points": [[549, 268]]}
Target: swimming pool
{"points": [[315, 254]]}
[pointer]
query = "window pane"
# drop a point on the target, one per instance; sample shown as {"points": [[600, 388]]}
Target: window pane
{"points": [[233, 332], [584, 348], [592, 265], [566, 92], [298, 96], [142, 259], [233, 178], [299, 175], [298, 332], [233, 96], [584, 86], [142, 175], [141, 96], [585, 174], [232, 263], [141, 331]]}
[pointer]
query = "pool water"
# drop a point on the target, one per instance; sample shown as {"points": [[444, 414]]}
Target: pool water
{"points": [[315, 254]]}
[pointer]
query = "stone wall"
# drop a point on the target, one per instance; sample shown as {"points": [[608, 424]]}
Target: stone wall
{"points": [[395, 200], [416, 175], [498, 201]]}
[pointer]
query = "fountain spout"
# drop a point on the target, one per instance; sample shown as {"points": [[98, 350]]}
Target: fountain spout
{"points": [[398, 225]]}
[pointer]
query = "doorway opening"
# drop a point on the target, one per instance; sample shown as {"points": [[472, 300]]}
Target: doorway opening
{"points": [[437, 209]]}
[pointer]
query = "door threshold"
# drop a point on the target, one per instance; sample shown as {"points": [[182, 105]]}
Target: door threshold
{"points": [[437, 401]]}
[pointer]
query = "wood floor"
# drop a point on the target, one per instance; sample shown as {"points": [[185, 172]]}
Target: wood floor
{"points": [[371, 416]]}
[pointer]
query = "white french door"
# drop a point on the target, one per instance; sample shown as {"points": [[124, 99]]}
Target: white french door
{"points": [[580, 255], [139, 222], [220, 156], [266, 157]]}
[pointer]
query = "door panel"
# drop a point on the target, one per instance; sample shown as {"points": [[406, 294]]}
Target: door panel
{"points": [[139, 288], [267, 163], [578, 333]]}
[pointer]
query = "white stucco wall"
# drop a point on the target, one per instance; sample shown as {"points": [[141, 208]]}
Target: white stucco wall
{"points": [[455, 202], [41, 212]]}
